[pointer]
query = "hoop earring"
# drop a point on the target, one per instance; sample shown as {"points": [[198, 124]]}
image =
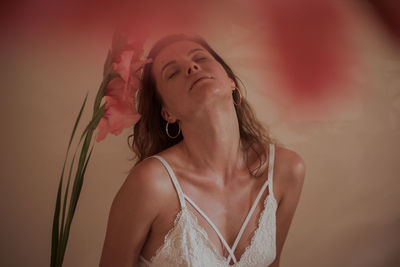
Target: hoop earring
{"points": [[172, 137], [240, 96]]}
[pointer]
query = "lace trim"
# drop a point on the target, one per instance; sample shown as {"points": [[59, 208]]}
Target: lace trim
{"points": [[176, 221], [202, 231], [259, 228], [255, 234]]}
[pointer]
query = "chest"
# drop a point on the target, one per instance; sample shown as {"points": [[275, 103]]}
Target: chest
{"points": [[220, 213]]}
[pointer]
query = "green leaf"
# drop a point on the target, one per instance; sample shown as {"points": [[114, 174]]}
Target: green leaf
{"points": [[77, 122], [73, 202], [60, 236], [66, 194], [107, 63], [103, 88], [56, 218], [77, 184], [95, 120], [55, 240], [75, 190]]}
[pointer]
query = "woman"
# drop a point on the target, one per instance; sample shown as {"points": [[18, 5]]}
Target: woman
{"points": [[210, 187]]}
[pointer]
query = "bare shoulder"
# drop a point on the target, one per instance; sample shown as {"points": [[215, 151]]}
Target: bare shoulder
{"points": [[144, 193], [144, 190], [133, 211], [148, 178], [289, 169], [289, 177], [290, 163]]}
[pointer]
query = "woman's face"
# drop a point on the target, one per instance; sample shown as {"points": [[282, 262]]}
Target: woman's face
{"points": [[190, 80]]}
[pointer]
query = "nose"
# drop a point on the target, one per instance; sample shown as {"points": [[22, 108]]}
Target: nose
{"points": [[193, 67]]}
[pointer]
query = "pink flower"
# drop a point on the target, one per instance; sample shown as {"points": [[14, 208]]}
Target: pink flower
{"points": [[122, 64], [118, 115], [120, 110]]}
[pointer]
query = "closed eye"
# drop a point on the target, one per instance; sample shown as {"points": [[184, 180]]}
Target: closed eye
{"points": [[200, 59], [170, 76]]}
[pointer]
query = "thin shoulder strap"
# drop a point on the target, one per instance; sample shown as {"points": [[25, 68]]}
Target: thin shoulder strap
{"points": [[261, 192], [271, 168], [214, 227], [174, 180]]}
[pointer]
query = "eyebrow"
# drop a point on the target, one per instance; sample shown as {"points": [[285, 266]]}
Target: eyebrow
{"points": [[174, 61]]}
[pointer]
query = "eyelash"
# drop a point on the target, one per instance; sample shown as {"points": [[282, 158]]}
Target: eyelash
{"points": [[170, 76], [201, 58], [173, 74]]}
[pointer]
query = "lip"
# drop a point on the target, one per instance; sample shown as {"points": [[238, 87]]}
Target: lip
{"points": [[200, 78]]}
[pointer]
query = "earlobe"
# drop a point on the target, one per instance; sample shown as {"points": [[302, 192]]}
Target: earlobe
{"points": [[166, 116], [233, 85]]}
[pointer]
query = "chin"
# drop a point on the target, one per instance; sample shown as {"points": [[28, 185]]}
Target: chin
{"points": [[213, 95]]}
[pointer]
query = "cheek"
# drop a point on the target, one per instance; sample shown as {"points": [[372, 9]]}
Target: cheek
{"points": [[166, 89], [172, 94], [221, 76]]}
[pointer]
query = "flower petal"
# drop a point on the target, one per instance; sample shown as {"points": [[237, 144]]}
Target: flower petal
{"points": [[122, 67], [115, 88], [102, 129]]}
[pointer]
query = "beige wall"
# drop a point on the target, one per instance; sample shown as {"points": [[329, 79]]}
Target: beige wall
{"points": [[348, 214]]}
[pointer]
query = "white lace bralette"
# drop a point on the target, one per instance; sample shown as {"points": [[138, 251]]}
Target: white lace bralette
{"points": [[187, 243]]}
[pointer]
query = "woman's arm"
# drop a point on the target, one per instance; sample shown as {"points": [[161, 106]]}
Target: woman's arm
{"points": [[291, 183], [132, 212]]}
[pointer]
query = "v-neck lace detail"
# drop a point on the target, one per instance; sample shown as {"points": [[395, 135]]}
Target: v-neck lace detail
{"points": [[187, 243]]}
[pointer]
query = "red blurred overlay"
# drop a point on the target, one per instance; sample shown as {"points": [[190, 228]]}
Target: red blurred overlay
{"points": [[310, 40]]}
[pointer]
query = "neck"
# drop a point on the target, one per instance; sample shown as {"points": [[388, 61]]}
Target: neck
{"points": [[212, 143]]}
